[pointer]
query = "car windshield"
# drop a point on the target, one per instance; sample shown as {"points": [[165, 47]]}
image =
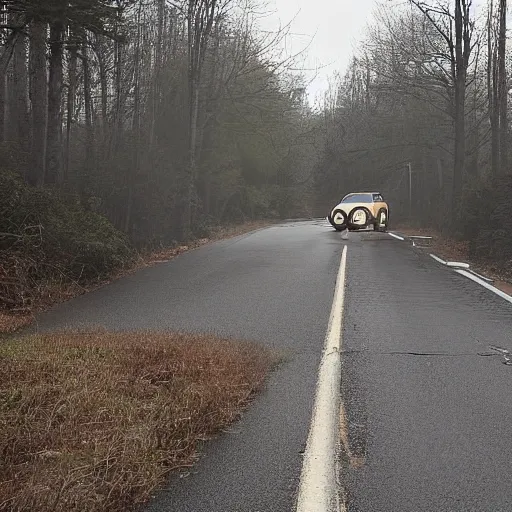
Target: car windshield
{"points": [[357, 198]]}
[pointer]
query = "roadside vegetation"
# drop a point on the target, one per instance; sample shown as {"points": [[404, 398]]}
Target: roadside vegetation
{"points": [[49, 245], [52, 249], [95, 421]]}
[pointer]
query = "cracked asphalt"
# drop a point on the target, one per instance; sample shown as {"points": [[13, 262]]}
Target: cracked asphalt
{"points": [[426, 396]]}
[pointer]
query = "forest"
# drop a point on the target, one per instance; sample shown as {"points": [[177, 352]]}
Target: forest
{"points": [[143, 123]]}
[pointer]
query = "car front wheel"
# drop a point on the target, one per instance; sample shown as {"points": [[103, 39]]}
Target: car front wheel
{"points": [[339, 220]]}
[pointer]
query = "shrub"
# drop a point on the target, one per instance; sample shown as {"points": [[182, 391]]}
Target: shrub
{"points": [[486, 219], [46, 237]]}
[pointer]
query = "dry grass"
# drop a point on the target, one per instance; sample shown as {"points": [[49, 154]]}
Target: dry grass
{"points": [[95, 421], [56, 292], [10, 322]]}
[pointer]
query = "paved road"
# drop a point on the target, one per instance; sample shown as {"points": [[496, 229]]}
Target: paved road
{"points": [[274, 286], [425, 432]]}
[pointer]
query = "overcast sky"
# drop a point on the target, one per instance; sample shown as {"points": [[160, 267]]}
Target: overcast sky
{"points": [[329, 29]]}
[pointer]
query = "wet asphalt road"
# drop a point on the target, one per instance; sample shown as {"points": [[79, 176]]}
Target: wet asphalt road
{"points": [[428, 403], [274, 286]]}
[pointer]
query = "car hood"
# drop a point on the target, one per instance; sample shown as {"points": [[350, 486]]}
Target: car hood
{"points": [[348, 207]]}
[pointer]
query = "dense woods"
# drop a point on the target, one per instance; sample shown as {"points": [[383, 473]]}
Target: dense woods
{"points": [[129, 123], [162, 116]]}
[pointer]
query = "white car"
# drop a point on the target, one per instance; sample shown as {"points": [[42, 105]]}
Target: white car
{"points": [[359, 211]]}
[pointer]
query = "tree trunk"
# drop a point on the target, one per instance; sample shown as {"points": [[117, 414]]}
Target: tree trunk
{"points": [[503, 88], [460, 96], [133, 170], [368, 81], [200, 19], [38, 100], [155, 96], [89, 134], [192, 161], [17, 88], [188, 178], [7, 52], [72, 83], [474, 144], [2, 82], [104, 92], [117, 121], [492, 93], [54, 134], [2, 107]]}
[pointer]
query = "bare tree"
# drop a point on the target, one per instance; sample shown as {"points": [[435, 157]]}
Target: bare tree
{"points": [[456, 28], [55, 87], [497, 85], [492, 89], [503, 86], [38, 101], [71, 98], [201, 15]]}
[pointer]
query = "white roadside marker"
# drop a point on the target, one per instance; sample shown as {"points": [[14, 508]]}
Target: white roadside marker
{"points": [[457, 264], [396, 236], [318, 487], [497, 291]]}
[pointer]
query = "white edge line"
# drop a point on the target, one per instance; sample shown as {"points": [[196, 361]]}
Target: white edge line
{"points": [[318, 487], [439, 260], [468, 268], [396, 236], [497, 291], [483, 278]]}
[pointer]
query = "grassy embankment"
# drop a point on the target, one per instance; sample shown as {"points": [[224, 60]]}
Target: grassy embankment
{"points": [[96, 421]]}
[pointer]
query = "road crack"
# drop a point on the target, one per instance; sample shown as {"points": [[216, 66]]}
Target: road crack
{"points": [[502, 352], [496, 352]]}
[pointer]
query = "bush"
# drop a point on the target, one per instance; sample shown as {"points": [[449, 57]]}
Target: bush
{"points": [[204, 226], [45, 237], [486, 219]]}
